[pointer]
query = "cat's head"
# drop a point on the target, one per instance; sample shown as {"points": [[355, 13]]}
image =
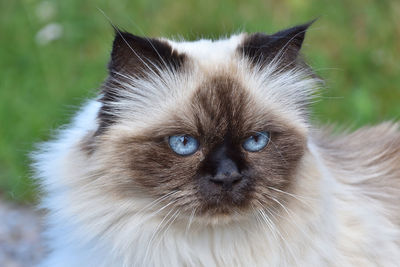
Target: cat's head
{"points": [[214, 128]]}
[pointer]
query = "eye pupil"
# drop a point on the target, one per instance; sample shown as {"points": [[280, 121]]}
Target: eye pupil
{"points": [[256, 142], [183, 145], [185, 140]]}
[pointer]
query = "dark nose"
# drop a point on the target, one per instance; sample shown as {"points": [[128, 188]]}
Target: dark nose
{"points": [[227, 174]]}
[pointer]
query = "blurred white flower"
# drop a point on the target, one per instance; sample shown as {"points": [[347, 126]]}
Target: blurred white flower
{"points": [[49, 33], [46, 10]]}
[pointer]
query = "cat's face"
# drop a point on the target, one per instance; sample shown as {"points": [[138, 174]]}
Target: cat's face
{"points": [[215, 135]]}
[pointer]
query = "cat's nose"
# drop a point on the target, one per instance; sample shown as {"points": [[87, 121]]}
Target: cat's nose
{"points": [[227, 174]]}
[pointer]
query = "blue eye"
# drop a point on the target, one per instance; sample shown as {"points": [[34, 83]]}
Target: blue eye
{"points": [[256, 142], [183, 145]]}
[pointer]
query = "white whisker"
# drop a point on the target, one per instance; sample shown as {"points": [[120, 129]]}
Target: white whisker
{"points": [[155, 232], [287, 245], [167, 225], [190, 220], [279, 203], [299, 198], [126, 42]]}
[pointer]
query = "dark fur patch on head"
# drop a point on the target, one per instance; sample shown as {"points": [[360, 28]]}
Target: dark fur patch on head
{"points": [[283, 46], [221, 113], [134, 57], [139, 56]]}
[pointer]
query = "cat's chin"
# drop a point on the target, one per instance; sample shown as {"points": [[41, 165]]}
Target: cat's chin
{"points": [[222, 218], [223, 214]]}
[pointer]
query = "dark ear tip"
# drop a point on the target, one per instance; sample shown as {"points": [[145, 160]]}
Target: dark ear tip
{"points": [[121, 34], [304, 27], [117, 30], [308, 24]]}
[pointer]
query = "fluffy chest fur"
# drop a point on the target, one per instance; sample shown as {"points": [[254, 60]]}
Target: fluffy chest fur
{"points": [[119, 192]]}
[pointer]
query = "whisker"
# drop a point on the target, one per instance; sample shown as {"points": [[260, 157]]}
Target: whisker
{"points": [[156, 201], [155, 233], [168, 224], [270, 226], [190, 220], [278, 57], [149, 41], [292, 222], [266, 220], [279, 203], [257, 215], [130, 47], [282, 238], [279, 152], [299, 198]]}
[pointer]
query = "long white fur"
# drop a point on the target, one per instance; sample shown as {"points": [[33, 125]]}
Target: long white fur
{"points": [[85, 228]]}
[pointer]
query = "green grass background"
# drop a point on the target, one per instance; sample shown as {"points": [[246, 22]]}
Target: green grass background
{"points": [[355, 46]]}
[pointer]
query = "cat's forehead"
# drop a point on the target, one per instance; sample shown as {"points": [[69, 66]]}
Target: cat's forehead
{"points": [[217, 106], [204, 102], [206, 51], [237, 82], [223, 105]]}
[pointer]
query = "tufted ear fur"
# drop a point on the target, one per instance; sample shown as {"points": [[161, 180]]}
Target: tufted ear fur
{"points": [[134, 58], [282, 47], [137, 56]]}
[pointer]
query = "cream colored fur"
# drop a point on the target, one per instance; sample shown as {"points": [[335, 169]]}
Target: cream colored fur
{"points": [[328, 221]]}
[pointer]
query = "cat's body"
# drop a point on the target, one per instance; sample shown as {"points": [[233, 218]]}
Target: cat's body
{"points": [[116, 197]]}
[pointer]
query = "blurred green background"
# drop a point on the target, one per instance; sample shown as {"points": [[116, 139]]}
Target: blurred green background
{"points": [[53, 55]]}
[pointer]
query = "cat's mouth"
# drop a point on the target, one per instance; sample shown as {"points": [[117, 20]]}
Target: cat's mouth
{"points": [[225, 198]]}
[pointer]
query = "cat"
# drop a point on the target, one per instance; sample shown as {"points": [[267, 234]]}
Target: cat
{"points": [[202, 154]]}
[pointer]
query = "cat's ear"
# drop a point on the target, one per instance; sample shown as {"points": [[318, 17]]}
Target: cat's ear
{"points": [[283, 47], [137, 56]]}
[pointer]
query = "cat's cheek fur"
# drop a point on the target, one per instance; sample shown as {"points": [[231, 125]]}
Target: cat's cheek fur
{"points": [[102, 230]]}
